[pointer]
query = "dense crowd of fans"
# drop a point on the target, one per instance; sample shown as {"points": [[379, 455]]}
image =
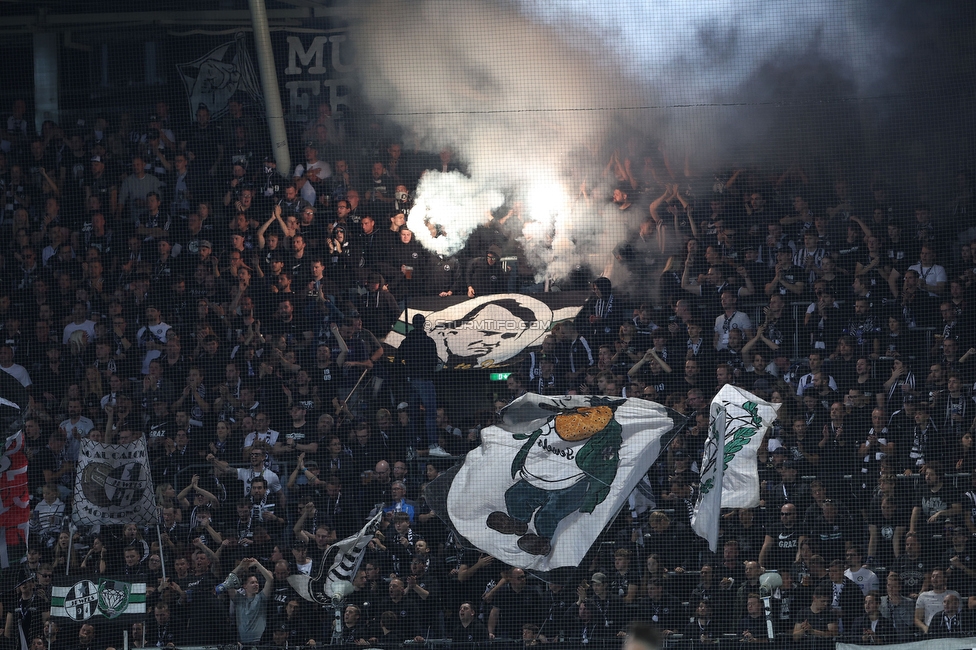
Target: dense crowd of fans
{"points": [[168, 282]]}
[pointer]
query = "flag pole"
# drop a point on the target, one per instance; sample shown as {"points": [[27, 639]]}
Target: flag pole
{"points": [[162, 559], [67, 559]]}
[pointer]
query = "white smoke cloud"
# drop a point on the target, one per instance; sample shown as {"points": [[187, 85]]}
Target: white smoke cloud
{"points": [[528, 94], [456, 204]]}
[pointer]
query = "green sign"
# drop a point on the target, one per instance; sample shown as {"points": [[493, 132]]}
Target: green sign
{"points": [[499, 376]]}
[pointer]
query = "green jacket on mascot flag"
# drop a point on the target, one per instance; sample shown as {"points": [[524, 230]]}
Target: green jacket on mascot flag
{"points": [[565, 478]]}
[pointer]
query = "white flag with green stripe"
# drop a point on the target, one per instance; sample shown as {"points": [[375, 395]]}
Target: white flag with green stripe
{"points": [[108, 598]]}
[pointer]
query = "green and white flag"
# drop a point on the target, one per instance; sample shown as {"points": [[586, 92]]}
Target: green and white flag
{"points": [[109, 598], [738, 421], [550, 476]]}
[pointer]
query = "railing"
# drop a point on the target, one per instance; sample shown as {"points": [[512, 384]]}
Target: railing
{"points": [[673, 642]]}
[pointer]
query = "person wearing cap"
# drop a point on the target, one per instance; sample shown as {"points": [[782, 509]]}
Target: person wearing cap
{"points": [[608, 606], [486, 275], [99, 184], [791, 489], [846, 599], [28, 614], [204, 263], [379, 308]]}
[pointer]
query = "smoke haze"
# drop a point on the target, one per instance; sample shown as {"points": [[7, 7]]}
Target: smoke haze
{"points": [[532, 97]]}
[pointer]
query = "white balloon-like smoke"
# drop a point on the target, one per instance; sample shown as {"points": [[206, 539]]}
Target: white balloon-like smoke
{"points": [[528, 94]]}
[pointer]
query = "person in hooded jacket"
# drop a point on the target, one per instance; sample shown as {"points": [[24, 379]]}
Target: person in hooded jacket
{"points": [[486, 275], [379, 309], [445, 276]]}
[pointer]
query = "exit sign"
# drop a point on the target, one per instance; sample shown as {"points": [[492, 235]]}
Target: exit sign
{"points": [[499, 376]]}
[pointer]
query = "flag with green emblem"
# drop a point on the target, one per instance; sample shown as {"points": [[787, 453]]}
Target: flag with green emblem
{"points": [[738, 421], [80, 599]]}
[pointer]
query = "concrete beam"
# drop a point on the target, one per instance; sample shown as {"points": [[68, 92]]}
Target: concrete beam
{"points": [[54, 20]]}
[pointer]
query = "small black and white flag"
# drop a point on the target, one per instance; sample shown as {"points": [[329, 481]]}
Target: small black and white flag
{"points": [[339, 565]]}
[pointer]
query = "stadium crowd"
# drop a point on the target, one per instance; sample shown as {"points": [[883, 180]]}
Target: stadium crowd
{"points": [[167, 282]]}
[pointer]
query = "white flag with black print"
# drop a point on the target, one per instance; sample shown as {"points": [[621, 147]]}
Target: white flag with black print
{"points": [[113, 485], [339, 565]]}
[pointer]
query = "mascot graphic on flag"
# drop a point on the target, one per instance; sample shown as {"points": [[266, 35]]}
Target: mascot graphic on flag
{"points": [[566, 478]]}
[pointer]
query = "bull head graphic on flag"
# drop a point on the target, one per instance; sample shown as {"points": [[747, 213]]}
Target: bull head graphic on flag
{"points": [[218, 75]]}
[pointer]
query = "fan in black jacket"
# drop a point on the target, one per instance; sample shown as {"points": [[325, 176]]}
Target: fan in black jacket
{"points": [[871, 628], [601, 315], [846, 595]]}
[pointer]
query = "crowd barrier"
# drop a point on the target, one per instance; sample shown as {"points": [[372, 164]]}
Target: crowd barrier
{"points": [[676, 642]]}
